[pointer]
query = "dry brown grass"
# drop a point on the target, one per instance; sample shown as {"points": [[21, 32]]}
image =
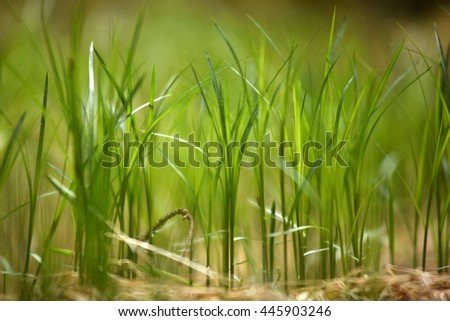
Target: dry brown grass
{"points": [[395, 284], [398, 284]]}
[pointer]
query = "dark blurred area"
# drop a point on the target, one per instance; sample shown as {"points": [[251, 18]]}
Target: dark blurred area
{"points": [[404, 8], [413, 9]]}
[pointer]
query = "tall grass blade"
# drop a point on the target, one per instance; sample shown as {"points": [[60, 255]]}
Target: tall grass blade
{"points": [[37, 178]]}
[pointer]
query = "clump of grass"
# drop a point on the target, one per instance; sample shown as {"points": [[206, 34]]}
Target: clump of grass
{"points": [[333, 211]]}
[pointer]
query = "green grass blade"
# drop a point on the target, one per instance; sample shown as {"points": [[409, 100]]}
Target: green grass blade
{"points": [[9, 156], [220, 100], [37, 178]]}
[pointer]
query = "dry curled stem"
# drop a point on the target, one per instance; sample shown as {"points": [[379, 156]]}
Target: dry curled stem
{"points": [[160, 224]]}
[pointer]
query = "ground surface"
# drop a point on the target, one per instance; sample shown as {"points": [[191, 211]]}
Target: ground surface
{"points": [[395, 284]]}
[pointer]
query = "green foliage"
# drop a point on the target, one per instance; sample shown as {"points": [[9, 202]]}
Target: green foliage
{"points": [[338, 208]]}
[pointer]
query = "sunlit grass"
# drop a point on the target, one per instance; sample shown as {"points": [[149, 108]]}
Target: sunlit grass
{"points": [[338, 209]]}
